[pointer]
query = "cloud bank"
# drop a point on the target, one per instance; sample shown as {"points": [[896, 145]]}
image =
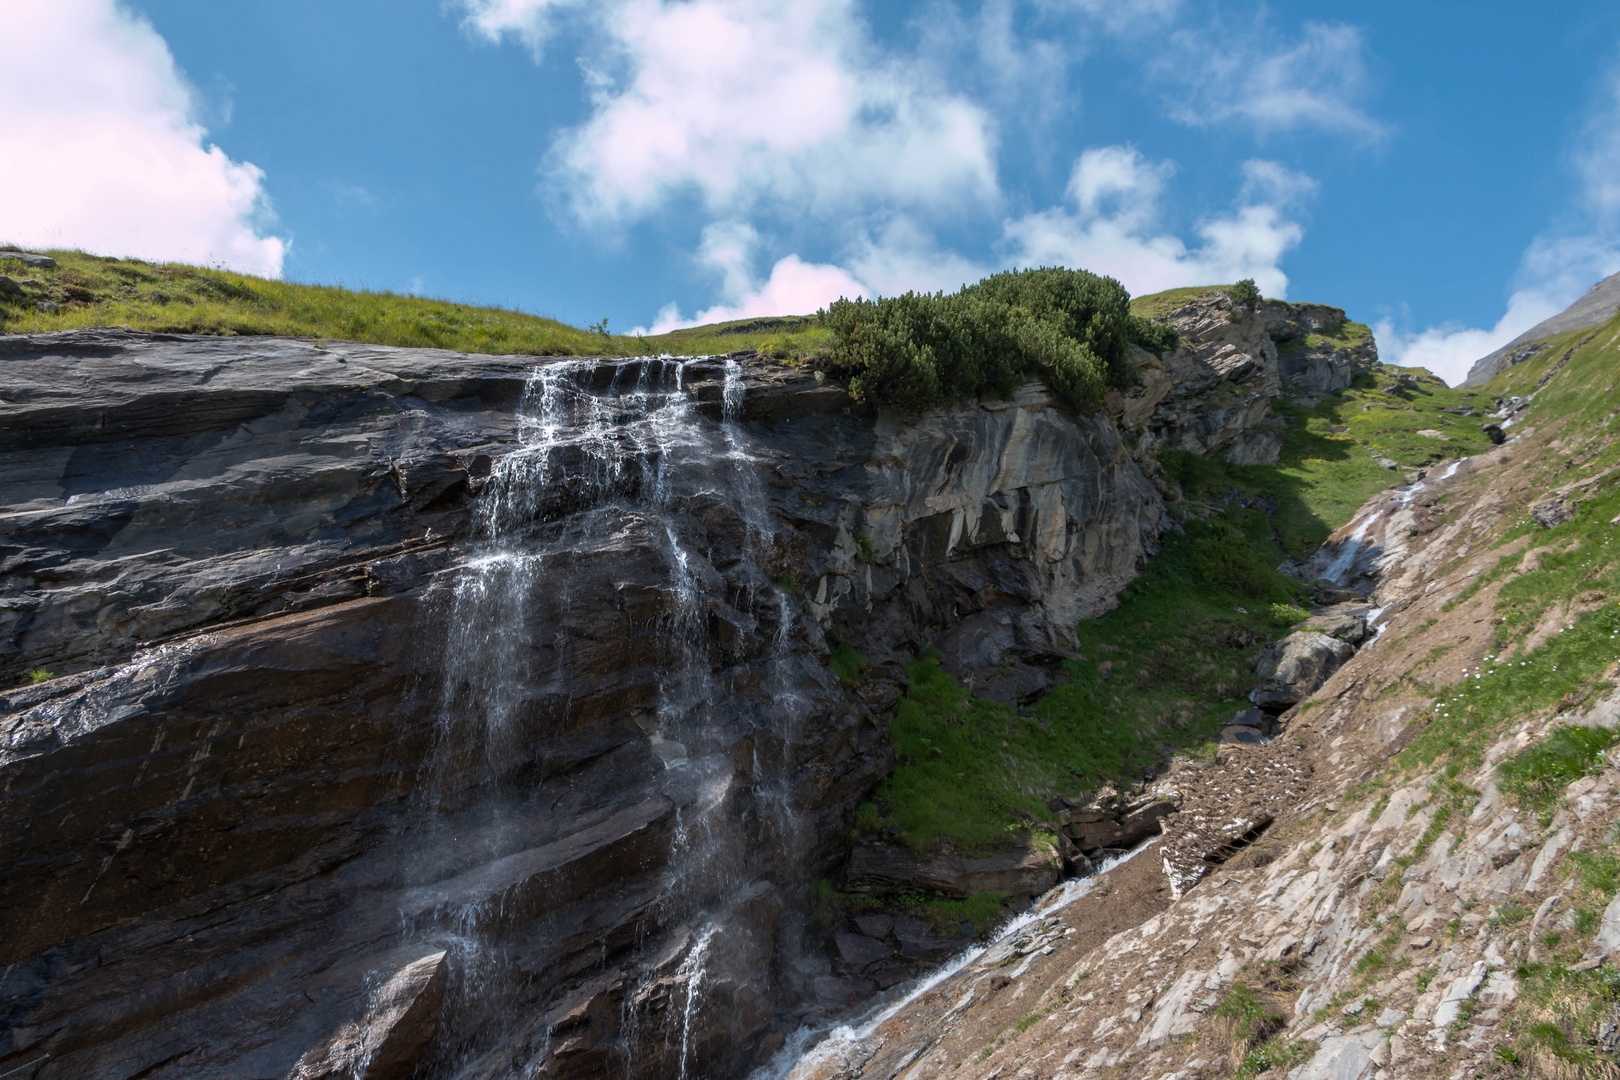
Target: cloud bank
{"points": [[110, 157], [760, 112], [1113, 225]]}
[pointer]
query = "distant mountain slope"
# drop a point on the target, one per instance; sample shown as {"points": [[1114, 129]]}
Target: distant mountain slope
{"points": [[1597, 307]]}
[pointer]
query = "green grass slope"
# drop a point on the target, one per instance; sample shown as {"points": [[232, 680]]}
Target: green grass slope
{"points": [[92, 290]]}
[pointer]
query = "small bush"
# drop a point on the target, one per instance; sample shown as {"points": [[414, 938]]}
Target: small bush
{"points": [[39, 675], [1245, 294], [1288, 614], [1243, 1024], [1068, 327]]}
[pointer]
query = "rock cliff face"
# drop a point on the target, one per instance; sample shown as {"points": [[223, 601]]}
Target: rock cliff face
{"points": [[424, 712], [1212, 394]]}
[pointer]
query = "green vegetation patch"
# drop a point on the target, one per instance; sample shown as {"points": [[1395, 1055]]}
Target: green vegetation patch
{"points": [[982, 911], [847, 664], [1071, 328]]}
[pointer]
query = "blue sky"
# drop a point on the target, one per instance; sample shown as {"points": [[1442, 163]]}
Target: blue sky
{"points": [[1449, 172]]}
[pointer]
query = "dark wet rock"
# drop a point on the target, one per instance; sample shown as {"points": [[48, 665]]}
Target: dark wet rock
{"points": [[875, 926], [840, 993], [1250, 717], [243, 559], [891, 870], [1236, 735], [1117, 825], [1334, 595], [1494, 432], [1292, 669], [858, 950], [919, 941]]}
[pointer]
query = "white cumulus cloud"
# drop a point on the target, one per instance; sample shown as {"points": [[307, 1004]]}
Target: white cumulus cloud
{"points": [[794, 287], [745, 103], [103, 150], [1113, 225]]}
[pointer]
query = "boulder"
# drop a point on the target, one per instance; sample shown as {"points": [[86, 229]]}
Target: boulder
{"points": [[890, 870], [1551, 513], [919, 941], [1494, 433], [28, 259], [1348, 623], [1295, 667], [9, 287], [1250, 717]]}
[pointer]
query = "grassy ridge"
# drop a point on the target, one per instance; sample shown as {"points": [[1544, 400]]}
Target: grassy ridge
{"points": [[92, 290]]}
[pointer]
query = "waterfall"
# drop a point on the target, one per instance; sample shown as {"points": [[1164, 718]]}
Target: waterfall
{"points": [[615, 464]]}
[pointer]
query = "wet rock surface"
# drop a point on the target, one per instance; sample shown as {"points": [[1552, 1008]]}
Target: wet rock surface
{"points": [[888, 869]]}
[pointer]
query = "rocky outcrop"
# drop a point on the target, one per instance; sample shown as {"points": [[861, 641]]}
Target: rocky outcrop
{"points": [[1116, 823], [1211, 395], [363, 655], [386, 1042], [1314, 357], [1026, 871]]}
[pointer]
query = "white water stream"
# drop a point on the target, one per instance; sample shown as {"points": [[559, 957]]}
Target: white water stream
{"points": [[813, 1045]]}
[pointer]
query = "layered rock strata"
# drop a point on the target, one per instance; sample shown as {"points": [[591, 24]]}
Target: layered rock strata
{"points": [[364, 655]]}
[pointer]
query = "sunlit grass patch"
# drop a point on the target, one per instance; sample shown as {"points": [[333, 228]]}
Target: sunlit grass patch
{"points": [[1536, 777]]}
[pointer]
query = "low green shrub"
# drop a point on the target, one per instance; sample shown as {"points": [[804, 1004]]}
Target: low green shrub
{"points": [[1069, 327], [1288, 614]]}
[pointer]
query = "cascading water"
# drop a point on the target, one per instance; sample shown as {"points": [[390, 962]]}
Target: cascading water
{"points": [[811, 1047], [613, 458]]}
